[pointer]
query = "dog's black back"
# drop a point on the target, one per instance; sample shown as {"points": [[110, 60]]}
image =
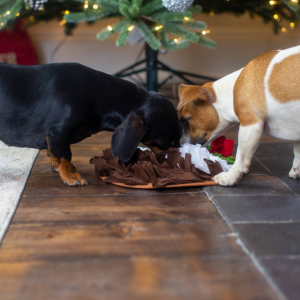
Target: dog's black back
{"points": [[38, 100], [61, 104]]}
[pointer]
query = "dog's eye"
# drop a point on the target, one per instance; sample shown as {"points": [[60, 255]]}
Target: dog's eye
{"points": [[185, 123]]}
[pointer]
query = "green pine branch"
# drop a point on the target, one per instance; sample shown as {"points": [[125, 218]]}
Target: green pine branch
{"points": [[107, 32], [122, 38], [151, 7], [85, 16], [207, 43], [196, 25], [168, 16], [148, 35], [182, 32], [172, 45], [107, 5]]}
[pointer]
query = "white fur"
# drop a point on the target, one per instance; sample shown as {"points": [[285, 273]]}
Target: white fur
{"points": [[224, 92], [224, 105], [282, 122], [249, 138], [295, 171]]}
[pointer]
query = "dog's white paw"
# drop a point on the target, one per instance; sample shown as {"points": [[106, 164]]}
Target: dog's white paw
{"points": [[295, 173], [229, 178]]}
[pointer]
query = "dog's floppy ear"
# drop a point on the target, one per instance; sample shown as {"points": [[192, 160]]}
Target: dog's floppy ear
{"points": [[199, 94], [127, 136]]}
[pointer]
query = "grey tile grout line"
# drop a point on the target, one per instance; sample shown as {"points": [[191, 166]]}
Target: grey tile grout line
{"points": [[289, 256], [276, 177], [253, 258], [264, 166], [250, 195], [265, 222], [256, 158]]}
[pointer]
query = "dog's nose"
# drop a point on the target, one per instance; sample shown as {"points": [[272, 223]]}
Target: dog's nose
{"points": [[201, 141], [177, 145]]}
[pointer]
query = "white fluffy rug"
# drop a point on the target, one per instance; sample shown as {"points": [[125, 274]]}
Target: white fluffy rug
{"points": [[15, 167]]}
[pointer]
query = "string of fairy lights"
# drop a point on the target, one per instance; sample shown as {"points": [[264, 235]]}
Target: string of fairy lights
{"points": [[157, 27], [277, 17], [204, 32]]}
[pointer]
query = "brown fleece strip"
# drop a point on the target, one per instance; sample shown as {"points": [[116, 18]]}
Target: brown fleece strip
{"points": [[145, 168]]}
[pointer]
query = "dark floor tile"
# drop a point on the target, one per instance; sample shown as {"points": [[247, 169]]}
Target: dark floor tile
{"points": [[275, 150], [285, 272], [254, 185], [271, 239], [260, 208], [293, 184], [257, 168], [278, 166]]}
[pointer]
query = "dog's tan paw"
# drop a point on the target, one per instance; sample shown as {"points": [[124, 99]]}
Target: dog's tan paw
{"points": [[73, 179], [68, 174], [229, 178]]}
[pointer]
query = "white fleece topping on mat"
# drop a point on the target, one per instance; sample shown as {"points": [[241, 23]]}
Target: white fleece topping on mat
{"points": [[15, 167], [198, 154]]}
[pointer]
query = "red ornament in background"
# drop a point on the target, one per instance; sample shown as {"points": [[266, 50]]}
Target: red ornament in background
{"points": [[16, 47], [222, 146]]}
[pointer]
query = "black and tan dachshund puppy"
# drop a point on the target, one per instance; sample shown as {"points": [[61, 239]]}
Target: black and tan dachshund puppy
{"points": [[55, 105]]}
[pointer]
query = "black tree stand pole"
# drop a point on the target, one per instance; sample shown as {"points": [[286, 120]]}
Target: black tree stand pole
{"points": [[153, 65]]}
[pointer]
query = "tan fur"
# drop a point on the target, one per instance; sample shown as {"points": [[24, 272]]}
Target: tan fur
{"points": [[203, 120], [189, 93], [248, 94], [67, 174], [53, 160], [66, 169], [286, 74]]}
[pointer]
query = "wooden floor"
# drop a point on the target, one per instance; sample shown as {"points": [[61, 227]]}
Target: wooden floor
{"points": [[105, 242]]}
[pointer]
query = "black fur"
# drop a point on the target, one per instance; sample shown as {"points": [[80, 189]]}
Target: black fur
{"points": [[68, 102]]}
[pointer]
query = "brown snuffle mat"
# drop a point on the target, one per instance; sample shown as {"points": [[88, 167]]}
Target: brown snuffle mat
{"points": [[146, 170]]}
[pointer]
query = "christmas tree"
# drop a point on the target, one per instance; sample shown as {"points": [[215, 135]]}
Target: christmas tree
{"points": [[155, 19], [169, 24]]}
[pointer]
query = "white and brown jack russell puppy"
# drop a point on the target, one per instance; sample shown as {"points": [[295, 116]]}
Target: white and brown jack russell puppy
{"points": [[264, 97]]}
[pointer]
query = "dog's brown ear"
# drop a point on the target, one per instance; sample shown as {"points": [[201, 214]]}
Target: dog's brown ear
{"points": [[199, 94], [181, 86]]}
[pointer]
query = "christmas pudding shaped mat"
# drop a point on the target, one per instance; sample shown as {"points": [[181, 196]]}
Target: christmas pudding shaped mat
{"points": [[148, 171], [149, 186]]}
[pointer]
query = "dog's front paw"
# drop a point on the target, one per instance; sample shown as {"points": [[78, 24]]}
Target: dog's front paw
{"points": [[229, 178], [73, 179], [295, 173]]}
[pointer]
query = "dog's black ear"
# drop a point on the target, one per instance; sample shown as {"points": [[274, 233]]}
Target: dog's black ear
{"points": [[127, 136]]}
